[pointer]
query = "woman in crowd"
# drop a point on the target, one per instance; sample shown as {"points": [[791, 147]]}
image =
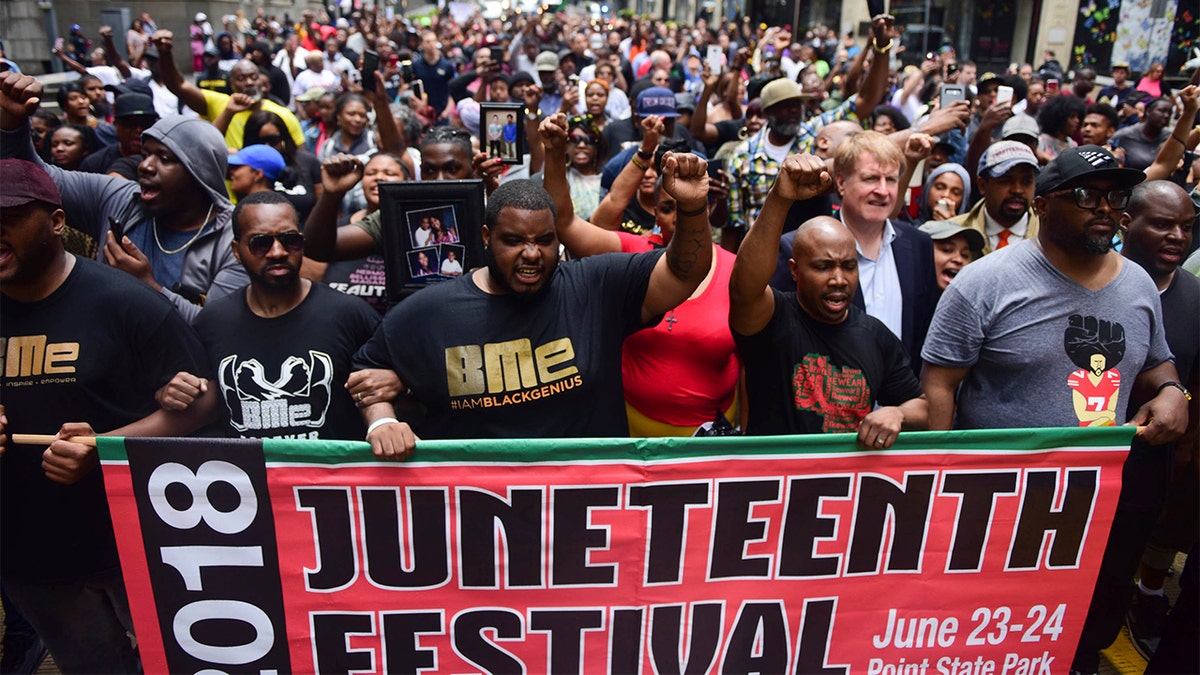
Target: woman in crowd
{"points": [[70, 143], [683, 372], [1059, 120], [353, 135], [1151, 82], [595, 103], [885, 119], [945, 194], [726, 102], [301, 177], [954, 246], [75, 105], [585, 147], [136, 41], [42, 124]]}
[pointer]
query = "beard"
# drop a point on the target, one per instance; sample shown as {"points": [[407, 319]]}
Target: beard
{"points": [[1097, 245], [790, 130]]}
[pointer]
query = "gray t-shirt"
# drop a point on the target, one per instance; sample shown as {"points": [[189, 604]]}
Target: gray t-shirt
{"points": [[1043, 350]]}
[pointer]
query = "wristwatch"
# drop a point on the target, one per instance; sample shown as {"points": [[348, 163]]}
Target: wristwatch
{"points": [[1187, 394], [645, 155]]}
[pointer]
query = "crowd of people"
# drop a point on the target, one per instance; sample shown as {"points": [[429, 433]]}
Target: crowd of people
{"points": [[699, 230]]}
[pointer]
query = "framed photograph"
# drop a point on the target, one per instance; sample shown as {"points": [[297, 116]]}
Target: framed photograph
{"points": [[502, 131], [432, 232]]}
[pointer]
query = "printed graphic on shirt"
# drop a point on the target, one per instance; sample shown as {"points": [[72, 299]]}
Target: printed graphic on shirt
{"points": [[297, 397], [839, 394], [32, 359], [1096, 346], [506, 373]]}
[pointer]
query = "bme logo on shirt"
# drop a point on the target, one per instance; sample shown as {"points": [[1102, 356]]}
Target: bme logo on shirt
{"points": [[502, 373], [32, 355], [298, 397]]}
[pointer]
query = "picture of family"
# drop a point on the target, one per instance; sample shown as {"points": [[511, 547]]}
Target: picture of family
{"points": [[433, 226], [443, 260], [500, 131]]}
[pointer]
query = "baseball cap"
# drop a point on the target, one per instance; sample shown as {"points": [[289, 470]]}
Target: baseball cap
{"points": [[261, 157], [201, 16], [657, 101], [546, 62], [519, 77], [1120, 64], [311, 94], [1002, 156], [26, 182], [779, 90], [1018, 126], [131, 86], [988, 77], [944, 229], [685, 101], [134, 105], [1085, 161], [75, 26]]}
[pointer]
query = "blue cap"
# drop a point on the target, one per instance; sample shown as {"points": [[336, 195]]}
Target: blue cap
{"points": [[262, 157], [657, 101]]}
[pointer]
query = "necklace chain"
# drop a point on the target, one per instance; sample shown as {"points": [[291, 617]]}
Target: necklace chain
{"points": [[154, 223]]}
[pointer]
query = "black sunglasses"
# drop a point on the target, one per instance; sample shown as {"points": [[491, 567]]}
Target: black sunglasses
{"points": [[261, 244], [583, 140]]}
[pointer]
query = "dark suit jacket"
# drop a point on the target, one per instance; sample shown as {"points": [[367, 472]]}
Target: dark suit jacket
{"points": [[913, 250]]}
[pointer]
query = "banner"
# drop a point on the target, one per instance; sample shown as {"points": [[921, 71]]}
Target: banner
{"points": [[969, 553]]}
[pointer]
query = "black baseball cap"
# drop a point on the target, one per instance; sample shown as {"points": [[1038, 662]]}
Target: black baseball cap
{"points": [[134, 105], [1085, 161]]}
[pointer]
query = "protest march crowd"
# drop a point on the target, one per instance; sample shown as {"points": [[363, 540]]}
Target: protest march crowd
{"points": [[688, 230]]}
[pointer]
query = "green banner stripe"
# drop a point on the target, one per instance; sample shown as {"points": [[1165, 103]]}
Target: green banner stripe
{"points": [[111, 449], [644, 449]]}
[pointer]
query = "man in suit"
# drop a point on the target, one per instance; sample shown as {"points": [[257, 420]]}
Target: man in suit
{"points": [[897, 283], [1006, 179]]}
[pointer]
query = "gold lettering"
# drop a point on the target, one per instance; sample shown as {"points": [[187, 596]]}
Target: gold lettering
{"points": [[25, 355], [553, 354], [509, 365], [61, 352], [464, 370]]}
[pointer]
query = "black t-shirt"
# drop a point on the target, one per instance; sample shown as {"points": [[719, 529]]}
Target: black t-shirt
{"points": [[808, 377], [285, 377], [95, 350], [503, 366]]}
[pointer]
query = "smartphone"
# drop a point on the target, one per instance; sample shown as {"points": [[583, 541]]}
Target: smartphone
{"points": [[950, 93], [1004, 94], [406, 71], [1051, 86], [715, 166], [369, 66], [117, 229], [712, 59], [418, 88], [497, 54]]}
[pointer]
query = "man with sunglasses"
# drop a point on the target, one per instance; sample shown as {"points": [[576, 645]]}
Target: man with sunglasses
{"points": [[1056, 330], [278, 351]]}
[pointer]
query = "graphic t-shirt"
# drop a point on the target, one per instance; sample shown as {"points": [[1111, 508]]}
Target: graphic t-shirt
{"points": [[95, 350], [1025, 330], [285, 377], [808, 377], [507, 366]]}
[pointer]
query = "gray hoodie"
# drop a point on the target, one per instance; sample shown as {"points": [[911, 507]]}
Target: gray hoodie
{"points": [[90, 200]]}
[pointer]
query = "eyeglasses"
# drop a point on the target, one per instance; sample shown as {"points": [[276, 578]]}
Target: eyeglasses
{"points": [[1089, 198], [583, 140], [261, 244]]}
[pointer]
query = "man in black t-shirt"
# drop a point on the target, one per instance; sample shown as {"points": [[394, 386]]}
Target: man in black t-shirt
{"points": [[526, 347], [81, 342], [817, 364], [279, 351]]}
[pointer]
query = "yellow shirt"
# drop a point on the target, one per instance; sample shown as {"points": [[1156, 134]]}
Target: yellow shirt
{"points": [[235, 134]]}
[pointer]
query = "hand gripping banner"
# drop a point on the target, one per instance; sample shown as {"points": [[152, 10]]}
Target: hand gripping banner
{"points": [[968, 553]]}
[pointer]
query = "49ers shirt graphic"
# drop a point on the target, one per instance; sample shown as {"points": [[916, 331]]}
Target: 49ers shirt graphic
{"points": [[264, 403]]}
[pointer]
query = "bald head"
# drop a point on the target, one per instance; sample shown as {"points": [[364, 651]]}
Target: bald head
{"points": [[1156, 191], [820, 232], [831, 136], [1157, 228]]}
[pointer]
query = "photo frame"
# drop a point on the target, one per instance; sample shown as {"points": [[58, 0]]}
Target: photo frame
{"points": [[502, 131], [428, 225]]}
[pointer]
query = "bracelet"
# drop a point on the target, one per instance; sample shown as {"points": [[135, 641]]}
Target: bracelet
{"points": [[1181, 141], [702, 210], [533, 114], [1177, 385], [638, 163], [888, 48], [380, 422], [644, 154]]}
